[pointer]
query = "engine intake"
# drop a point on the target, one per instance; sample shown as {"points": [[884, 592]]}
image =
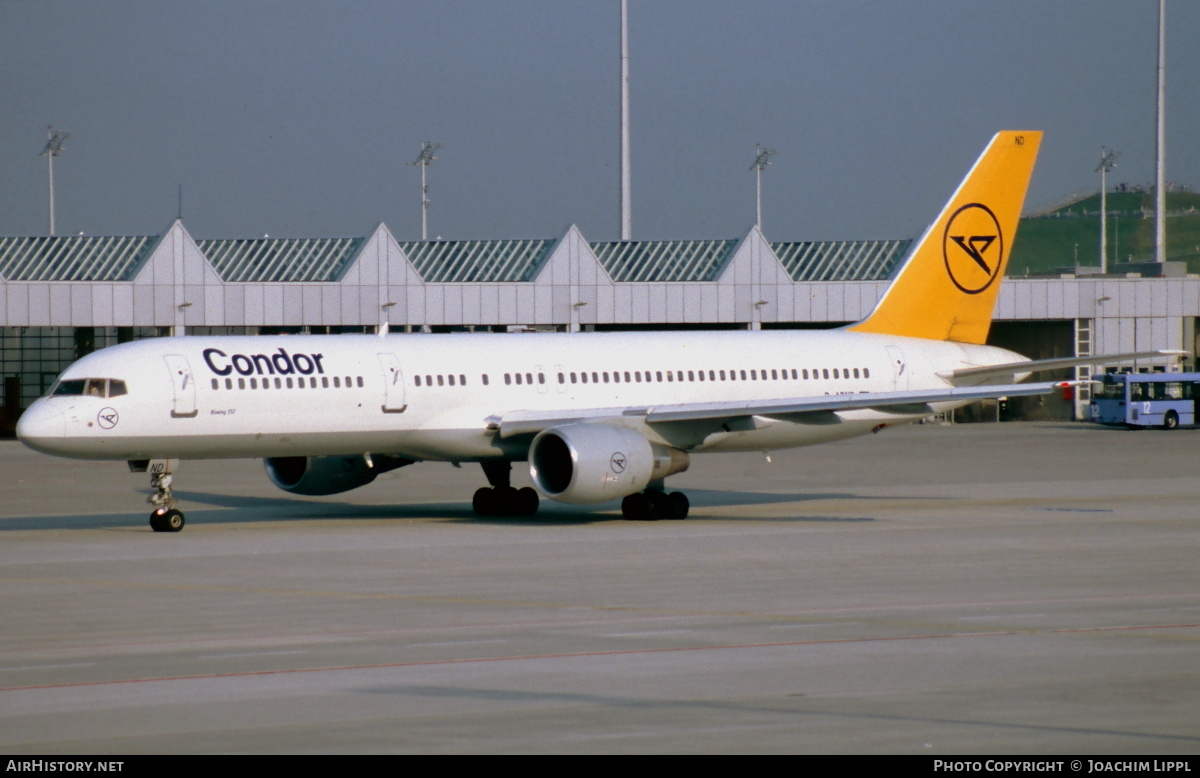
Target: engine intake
{"points": [[319, 476], [591, 463]]}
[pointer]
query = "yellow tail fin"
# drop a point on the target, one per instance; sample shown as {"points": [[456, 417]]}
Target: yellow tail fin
{"points": [[947, 288]]}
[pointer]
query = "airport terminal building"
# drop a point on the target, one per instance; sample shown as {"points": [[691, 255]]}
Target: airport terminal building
{"points": [[62, 297]]}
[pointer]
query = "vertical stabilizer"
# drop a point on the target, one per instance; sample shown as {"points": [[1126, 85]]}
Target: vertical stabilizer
{"points": [[947, 288]]}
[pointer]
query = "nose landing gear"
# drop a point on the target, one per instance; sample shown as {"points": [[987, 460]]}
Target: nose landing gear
{"points": [[165, 517]]}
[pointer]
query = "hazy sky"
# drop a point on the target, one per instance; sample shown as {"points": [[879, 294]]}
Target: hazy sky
{"points": [[301, 118]]}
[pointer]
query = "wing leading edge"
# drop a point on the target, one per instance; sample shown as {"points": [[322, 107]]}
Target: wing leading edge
{"points": [[902, 403]]}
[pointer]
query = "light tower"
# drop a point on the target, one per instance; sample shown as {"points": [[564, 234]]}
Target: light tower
{"points": [[760, 164], [1108, 161], [424, 160], [1160, 142], [626, 165], [54, 147]]}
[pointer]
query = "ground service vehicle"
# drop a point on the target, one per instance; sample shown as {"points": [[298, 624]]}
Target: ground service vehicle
{"points": [[1164, 400]]}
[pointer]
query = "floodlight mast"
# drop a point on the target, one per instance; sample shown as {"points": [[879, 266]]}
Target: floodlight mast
{"points": [[626, 165], [53, 148], [1108, 161], [760, 164], [424, 160], [1160, 144]]}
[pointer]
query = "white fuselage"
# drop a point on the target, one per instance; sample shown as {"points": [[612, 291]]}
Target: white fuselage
{"points": [[441, 397]]}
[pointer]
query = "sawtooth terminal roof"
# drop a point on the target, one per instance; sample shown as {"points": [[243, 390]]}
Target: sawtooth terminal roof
{"points": [[259, 260], [280, 259], [73, 257]]}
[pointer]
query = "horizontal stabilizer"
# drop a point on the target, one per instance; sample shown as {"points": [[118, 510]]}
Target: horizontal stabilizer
{"points": [[973, 375]]}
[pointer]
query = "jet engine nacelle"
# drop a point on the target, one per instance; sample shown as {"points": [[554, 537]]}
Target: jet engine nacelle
{"points": [[319, 476], [590, 463]]}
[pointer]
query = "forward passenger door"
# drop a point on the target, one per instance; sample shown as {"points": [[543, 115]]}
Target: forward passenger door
{"points": [[184, 384]]}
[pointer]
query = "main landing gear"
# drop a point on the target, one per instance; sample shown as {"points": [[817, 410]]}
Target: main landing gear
{"points": [[165, 518], [655, 504], [501, 499]]}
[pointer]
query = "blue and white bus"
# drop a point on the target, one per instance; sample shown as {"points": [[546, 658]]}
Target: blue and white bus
{"points": [[1164, 400]]}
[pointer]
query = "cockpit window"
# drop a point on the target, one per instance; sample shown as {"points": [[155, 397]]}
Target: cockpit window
{"points": [[91, 387], [72, 388]]}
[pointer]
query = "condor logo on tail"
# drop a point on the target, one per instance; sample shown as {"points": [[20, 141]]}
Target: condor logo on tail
{"points": [[948, 286], [973, 248]]}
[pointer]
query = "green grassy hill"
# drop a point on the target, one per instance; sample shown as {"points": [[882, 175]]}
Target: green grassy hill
{"points": [[1048, 241]]}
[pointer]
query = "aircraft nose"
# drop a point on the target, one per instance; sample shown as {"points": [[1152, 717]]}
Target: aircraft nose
{"points": [[40, 426]]}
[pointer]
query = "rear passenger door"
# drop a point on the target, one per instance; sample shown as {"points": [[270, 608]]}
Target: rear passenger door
{"points": [[393, 382]]}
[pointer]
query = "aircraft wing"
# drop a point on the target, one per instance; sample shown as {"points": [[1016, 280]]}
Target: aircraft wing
{"points": [[907, 403], [1013, 368]]}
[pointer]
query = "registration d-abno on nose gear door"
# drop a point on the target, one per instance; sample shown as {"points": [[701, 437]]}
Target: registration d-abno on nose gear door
{"points": [[393, 381], [184, 384]]}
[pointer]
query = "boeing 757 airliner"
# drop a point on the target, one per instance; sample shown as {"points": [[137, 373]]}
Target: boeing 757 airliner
{"points": [[598, 416]]}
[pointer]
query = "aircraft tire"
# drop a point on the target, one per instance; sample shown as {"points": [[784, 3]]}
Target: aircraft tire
{"points": [[526, 502], [484, 502], [679, 505], [637, 507], [660, 505], [167, 521], [174, 520]]}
